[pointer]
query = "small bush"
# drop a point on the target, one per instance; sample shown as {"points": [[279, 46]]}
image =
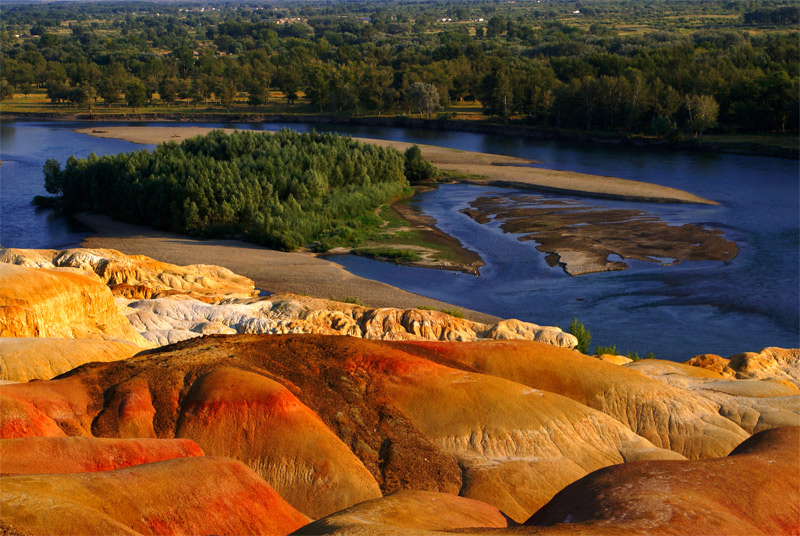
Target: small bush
{"points": [[391, 254], [633, 356], [426, 308], [583, 335], [610, 350], [353, 300], [417, 168], [453, 312]]}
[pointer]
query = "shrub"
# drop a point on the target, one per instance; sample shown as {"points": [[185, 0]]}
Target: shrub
{"points": [[417, 168], [391, 254], [610, 350], [583, 335], [453, 312]]}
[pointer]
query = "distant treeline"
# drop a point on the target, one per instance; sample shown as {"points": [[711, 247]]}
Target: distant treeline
{"points": [[782, 15], [547, 63], [283, 190]]}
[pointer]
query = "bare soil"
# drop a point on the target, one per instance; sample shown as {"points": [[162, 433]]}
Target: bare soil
{"points": [[580, 238]]}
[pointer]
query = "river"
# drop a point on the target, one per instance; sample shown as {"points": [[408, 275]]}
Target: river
{"points": [[673, 311]]}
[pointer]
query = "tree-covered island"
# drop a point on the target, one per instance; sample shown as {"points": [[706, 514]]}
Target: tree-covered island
{"points": [[282, 190]]}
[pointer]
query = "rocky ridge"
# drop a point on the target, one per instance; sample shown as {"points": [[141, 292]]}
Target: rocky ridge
{"points": [[167, 304], [464, 435], [332, 421]]}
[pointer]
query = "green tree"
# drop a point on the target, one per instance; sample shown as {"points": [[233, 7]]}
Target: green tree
{"points": [[583, 335], [6, 91], [416, 167], [135, 95], [424, 97], [703, 112], [53, 177]]}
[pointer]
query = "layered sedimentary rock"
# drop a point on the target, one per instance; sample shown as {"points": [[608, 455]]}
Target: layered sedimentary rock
{"points": [[46, 303], [772, 363], [194, 495], [34, 358], [137, 276], [168, 304], [45, 455], [754, 405], [241, 414], [404, 511], [755, 490], [165, 321], [378, 413], [668, 416]]}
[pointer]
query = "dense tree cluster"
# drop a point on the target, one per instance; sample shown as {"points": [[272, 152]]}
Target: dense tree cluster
{"points": [[283, 190], [524, 61]]}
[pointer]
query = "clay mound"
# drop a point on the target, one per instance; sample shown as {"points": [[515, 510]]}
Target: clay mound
{"points": [[51, 408], [753, 405], [669, 417], [41, 455], [773, 363], [45, 303], [203, 495], [137, 276], [231, 412], [25, 359], [412, 422], [755, 490], [404, 511]]}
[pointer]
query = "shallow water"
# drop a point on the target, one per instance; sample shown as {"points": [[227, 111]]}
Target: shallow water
{"points": [[674, 311]]}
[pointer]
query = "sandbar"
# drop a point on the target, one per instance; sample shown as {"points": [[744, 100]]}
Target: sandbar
{"points": [[271, 270], [490, 169]]}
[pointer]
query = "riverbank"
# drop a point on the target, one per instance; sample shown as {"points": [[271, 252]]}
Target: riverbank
{"points": [[271, 270], [489, 169], [726, 144]]}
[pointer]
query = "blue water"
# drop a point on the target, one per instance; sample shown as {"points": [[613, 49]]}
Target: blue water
{"points": [[674, 311]]}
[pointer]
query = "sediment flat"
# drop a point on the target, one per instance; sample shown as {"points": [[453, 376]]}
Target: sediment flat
{"points": [[274, 271], [495, 170]]}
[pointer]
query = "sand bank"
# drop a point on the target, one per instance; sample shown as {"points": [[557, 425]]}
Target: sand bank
{"points": [[497, 170], [275, 271]]}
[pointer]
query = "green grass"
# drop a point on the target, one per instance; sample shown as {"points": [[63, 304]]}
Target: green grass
{"points": [[392, 254], [395, 232], [783, 140], [457, 313]]}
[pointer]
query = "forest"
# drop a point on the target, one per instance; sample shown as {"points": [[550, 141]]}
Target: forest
{"points": [[661, 68], [281, 190]]}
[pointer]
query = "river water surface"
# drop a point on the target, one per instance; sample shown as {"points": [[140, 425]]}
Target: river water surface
{"points": [[674, 311]]}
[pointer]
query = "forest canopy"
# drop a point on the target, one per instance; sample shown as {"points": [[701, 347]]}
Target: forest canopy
{"points": [[283, 190], [629, 68]]}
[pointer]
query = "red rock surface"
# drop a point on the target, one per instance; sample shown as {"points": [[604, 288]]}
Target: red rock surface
{"points": [[667, 416], [42, 455], [754, 490], [325, 418], [199, 496], [232, 412]]}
